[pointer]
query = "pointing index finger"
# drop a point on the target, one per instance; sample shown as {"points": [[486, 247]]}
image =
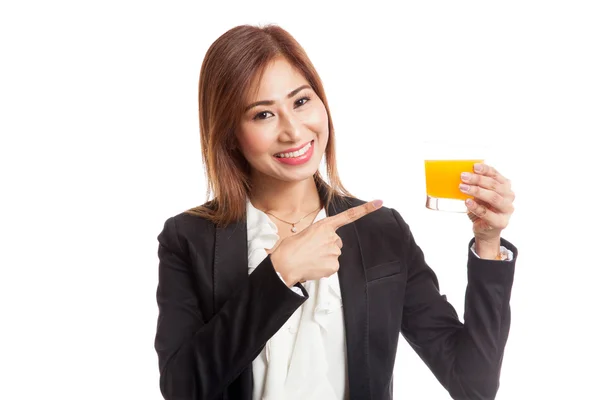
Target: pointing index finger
{"points": [[354, 213]]}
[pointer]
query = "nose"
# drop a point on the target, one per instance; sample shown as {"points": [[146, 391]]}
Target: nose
{"points": [[290, 127]]}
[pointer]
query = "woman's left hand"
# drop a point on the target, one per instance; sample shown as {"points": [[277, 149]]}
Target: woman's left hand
{"points": [[492, 206]]}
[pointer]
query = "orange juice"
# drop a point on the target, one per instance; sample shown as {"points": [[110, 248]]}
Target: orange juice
{"points": [[442, 177]]}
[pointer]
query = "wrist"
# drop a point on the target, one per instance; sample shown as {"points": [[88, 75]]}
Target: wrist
{"points": [[288, 277], [289, 280], [487, 249]]}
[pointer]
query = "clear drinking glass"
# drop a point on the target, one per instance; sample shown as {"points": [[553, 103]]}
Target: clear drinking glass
{"points": [[444, 162]]}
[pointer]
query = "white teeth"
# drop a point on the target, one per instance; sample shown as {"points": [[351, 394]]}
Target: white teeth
{"points": [[296, 153]]}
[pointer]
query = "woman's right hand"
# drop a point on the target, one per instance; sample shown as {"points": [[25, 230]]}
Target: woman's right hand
{"points": [[313, 253]]}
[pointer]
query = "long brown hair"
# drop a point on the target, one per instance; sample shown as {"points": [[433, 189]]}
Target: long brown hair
{"points": [[227, 72]]}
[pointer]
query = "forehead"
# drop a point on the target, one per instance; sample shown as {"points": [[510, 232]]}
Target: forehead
{"points": [[278, 79]]}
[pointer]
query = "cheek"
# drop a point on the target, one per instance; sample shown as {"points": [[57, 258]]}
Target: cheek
{"points": [[254, 141], [323, 129], [318, 121]]}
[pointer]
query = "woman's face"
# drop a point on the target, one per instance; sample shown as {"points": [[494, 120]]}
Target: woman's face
{"points": [[283, 115]]}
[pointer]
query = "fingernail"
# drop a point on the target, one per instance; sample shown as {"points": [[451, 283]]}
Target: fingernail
{"points": [[377, 203], [463, 187], [465, 176], [469, 202], [478, 167]]}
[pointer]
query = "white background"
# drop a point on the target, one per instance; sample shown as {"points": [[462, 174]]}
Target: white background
{"points": [[100, 144]]}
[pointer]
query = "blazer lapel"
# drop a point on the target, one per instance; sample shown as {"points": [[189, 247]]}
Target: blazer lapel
{"points": [[353, 287], [230, 272], [230, 267]]}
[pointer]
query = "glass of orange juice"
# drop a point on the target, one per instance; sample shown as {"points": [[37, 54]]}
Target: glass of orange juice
{"points": [[442, 176]]}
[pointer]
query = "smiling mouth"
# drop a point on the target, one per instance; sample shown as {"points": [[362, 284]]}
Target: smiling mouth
{"points": [[297, 153]]}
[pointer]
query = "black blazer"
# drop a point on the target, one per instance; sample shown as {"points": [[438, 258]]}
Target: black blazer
{"points": [[214, 318]]}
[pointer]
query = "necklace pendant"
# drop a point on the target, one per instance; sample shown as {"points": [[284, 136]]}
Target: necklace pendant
{"points": [[293, 229]]}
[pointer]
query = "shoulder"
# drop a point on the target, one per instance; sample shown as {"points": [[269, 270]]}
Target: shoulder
{"points": [[385, 218], [383, 234], [183, 227]]}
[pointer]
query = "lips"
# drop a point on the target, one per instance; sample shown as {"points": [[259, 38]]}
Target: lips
{"points": [[297, 160]]}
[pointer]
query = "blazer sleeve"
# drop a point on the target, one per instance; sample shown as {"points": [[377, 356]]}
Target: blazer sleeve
{"points": [[465, 358], [199, 358]]}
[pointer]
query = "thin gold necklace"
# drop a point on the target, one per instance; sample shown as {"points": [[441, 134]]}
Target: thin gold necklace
{"points": [[293, 224]]}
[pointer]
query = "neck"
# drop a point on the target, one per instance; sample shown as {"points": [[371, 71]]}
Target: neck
{"points": [[286, 200]]}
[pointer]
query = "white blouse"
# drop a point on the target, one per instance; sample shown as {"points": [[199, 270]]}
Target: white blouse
{"points": [[306, 358]]}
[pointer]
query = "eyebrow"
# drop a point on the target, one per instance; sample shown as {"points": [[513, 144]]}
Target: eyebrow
{"points": [[271, 102]]}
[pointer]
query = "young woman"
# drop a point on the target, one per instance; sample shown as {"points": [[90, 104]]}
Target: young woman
{"points": [[284, 286]]}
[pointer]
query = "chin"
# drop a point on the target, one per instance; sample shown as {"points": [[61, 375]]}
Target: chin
{"points": [[296, 176]]}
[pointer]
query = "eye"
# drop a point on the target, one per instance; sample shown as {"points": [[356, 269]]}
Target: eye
{"points": [[262, 115], [302, 101]]}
